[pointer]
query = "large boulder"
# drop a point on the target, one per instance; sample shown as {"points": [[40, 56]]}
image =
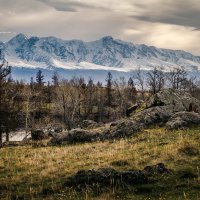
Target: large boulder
{"points": [[152, 116], [177, 100], [123, 128], [81, 135], [183, 120]]}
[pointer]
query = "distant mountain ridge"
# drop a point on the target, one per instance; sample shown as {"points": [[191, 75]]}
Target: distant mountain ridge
{"points": [[90, 59], [105, 54]]}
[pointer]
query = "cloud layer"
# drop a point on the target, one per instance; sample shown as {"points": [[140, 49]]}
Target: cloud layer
{"points": [[167, 24]]}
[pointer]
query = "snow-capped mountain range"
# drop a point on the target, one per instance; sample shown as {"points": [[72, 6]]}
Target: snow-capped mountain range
{"points": [[103, 54]]}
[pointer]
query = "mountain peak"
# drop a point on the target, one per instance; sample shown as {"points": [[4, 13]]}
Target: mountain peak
{"points": [[19, 38], [107, 38]]}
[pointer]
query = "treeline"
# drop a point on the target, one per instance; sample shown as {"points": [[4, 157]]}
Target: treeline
{"points": [[66, 103], [61, 103]]}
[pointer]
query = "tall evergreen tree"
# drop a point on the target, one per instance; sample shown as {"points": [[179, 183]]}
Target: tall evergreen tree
{"points": [[109, 88], [40, 78], [55, 79], [31, 83], [5, 70], [133, 91]]}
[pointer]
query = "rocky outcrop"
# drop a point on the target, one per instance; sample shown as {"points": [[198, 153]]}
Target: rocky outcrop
{"points": [[152, 116], [109, 177], [119, 129], [167, 106], [183, 120], [76, 136], [174, 99], [123, 128]]}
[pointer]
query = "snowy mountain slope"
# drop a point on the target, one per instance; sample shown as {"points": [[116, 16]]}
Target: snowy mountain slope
{"points": [[104, 54]]}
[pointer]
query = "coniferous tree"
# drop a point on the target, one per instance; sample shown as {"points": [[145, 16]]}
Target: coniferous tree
{"points": [[31, 83], [5, 70], [133, 91], [40, 78], [109, 89], [55, 79]]}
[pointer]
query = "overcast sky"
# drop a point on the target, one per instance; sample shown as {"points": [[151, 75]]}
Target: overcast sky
{"points": [[173, 24]]}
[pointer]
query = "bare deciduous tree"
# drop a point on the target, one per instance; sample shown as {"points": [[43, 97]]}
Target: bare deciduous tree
{"points": [[156, 80], [140, 81], [177, 76]]}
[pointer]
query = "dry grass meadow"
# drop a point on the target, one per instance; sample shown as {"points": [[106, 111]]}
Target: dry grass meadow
{"points": [[39, 171]]}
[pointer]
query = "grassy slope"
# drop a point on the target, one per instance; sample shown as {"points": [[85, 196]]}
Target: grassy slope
{"points": [[27, 171]]}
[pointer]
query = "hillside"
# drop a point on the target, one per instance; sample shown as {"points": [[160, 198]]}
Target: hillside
{"points": [[178, 150], [152, 154]]}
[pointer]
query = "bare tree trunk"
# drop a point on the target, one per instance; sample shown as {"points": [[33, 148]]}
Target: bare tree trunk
{"points": [[143, 95], [64, 109], [1, 139], [7, 136], [27, 114]]}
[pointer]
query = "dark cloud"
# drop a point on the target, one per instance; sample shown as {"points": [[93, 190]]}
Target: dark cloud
{"points": [[196, 29], [179, 12], [170, 24]]}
